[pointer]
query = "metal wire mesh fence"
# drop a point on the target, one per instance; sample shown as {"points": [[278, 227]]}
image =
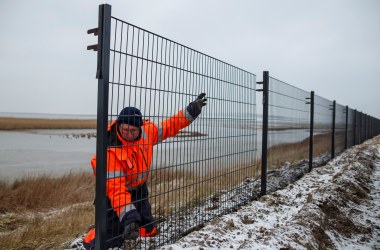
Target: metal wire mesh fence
{"points": [[171, 169], [289, 121], [180, 170], [340, 128], [350, 127], [322, 126]]}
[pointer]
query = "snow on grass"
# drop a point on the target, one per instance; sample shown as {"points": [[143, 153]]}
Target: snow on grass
{"points": [[336, 206]]}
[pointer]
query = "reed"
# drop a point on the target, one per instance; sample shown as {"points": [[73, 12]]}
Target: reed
{"points": [[46, 212], [291, 152], [42, 193], [47, 230], [36, 123], [173, 190]]}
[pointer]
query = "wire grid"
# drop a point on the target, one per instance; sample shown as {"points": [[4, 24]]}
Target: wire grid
{"points": [[202, 172], [288, 123], [323, 119], [368, 124], [357, 127], [361, 127], [340, 128], [375, 126], [350, 128]]}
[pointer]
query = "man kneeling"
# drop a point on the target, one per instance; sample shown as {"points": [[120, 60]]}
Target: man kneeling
{"points": [[129, 157]]}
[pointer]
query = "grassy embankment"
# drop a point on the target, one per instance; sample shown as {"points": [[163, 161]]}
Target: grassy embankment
{"points": [[36, 123], [43, 212], [296, 151], [46, 212]]}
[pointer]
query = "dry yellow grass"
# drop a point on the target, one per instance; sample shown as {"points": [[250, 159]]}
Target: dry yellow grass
{"points": [[173, 190], [45, 192], [45, 212], [35, 123], [48, 230], [291, 152]]}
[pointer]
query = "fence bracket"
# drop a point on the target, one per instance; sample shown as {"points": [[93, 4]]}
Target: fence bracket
{"points": [[94, 31], [93, 47]]}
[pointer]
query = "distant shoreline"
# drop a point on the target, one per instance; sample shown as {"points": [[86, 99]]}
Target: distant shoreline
{"points": [[11, 123]]}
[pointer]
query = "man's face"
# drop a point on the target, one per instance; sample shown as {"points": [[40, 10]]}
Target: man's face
{"points": [[128, 132]]}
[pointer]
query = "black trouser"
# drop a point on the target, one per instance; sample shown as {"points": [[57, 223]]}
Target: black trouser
{"points": [[115, 229]]}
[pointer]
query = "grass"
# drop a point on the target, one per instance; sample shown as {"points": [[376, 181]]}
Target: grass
{"points": [[45, 192], [45, 212], [174, 190], [290, 152], [35, 123], [45, 230]]}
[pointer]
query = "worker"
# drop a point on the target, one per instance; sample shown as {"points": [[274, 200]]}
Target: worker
{"points": [[129, 157]]}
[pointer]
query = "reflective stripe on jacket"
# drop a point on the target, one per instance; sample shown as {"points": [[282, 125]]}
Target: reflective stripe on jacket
{"points": [[128, 163]]}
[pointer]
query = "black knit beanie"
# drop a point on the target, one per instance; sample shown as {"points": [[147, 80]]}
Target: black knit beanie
{"points": [[131, 116]]}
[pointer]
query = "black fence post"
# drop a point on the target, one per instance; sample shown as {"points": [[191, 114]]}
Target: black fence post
{"points": [[360, 128], [346, 130], [366, 127], [102, 74], [354, 129], [311, 136], [333, 131], [264, 148]]}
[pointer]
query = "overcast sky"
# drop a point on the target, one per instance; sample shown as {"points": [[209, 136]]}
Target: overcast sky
{"points": [[329, 46]]}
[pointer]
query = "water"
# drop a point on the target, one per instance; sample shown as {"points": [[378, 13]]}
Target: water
{"points": [[47, 116], [56, 152], [33, 152]]}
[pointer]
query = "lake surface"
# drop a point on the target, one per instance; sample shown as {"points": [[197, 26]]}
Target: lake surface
{"points": [[56, 152], [33, 152]]}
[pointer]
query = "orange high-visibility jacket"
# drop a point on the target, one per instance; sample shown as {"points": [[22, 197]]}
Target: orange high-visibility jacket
{"points": [[128, 163]]}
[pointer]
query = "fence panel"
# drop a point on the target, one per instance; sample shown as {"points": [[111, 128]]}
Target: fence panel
{"points": [[340, 128], [322, 126], [202, 171], [351, 128], [288, 123], [209, 167]]}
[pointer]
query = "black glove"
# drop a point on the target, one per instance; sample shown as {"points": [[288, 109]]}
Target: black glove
{"points": [[195, 107], [131, 222], [131, 231]]}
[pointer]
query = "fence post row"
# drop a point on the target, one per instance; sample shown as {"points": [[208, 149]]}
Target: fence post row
{"points": [[346, 130], [311, 136], [363, 126], [354, 129], [333, 130], [360, 127], [264, 139], [102, 74]]}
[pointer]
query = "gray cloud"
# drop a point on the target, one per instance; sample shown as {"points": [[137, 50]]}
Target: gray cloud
{"points": [[331, 47]]}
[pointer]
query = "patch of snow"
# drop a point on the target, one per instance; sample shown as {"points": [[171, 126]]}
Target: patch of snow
{"points": [[335, 206]]}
